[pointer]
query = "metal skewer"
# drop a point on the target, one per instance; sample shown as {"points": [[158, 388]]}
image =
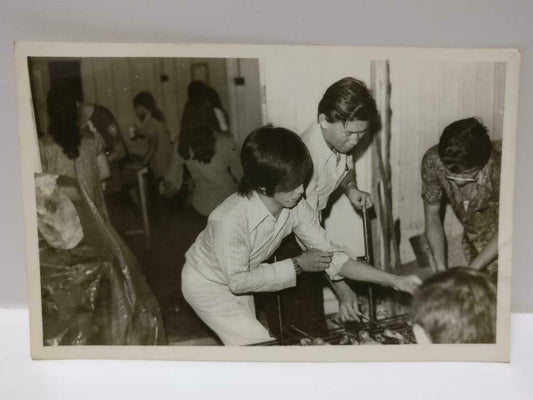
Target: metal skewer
{"points": [[301, 332]]}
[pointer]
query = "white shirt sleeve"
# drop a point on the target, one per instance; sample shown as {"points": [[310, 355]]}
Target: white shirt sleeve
{"points": [[307, 228], [233, 255]]}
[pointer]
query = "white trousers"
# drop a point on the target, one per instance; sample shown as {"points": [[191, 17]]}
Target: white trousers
{"points": [[231, 317]]}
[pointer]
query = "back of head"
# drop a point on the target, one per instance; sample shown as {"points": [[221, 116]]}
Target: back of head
{"points": [[197, 90], [62, 110], [456, 306], [464, 145], [274, 160], [347, 100], [199, 127]]}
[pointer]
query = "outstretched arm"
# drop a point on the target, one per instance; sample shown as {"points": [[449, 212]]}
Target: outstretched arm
{"points": [[487, 255], [360, 271]]}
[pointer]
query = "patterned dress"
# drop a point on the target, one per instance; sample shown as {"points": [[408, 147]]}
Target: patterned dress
{"points": [[84, 168], [478, 213]]}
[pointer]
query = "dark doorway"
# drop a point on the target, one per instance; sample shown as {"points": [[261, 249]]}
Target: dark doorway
{"points": [[66, 73]]}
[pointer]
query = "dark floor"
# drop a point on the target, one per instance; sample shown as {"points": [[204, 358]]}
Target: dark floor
{"points": [[173, 228]]}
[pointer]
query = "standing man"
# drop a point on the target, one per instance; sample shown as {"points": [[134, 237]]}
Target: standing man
{"points": [[346, 114]]}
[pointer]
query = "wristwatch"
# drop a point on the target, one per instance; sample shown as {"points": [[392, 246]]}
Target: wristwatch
{"points": [[297, 267]]}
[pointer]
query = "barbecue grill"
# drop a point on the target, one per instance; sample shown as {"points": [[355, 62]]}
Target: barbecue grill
{"points": [[393, 330]]}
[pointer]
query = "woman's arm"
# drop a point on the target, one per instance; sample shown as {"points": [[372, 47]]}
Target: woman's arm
{"points": [[487, 255], [435, 234]]}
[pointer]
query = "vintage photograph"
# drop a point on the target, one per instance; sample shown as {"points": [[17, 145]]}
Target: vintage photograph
{"points": [[267, 202]]}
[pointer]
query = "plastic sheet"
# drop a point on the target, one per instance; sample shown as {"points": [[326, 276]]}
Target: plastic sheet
{"points": [[96, 293]]}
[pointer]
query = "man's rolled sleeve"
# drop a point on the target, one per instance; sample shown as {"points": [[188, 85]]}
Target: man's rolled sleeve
{"points": [[337, 261]]}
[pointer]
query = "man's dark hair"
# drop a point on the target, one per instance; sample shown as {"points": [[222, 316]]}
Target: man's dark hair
{"points": [[456, 306], [464, 145], [347, 100], [275, 159]]}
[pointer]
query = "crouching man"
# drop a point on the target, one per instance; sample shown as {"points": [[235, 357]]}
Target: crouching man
{"points": [[226, 264]]}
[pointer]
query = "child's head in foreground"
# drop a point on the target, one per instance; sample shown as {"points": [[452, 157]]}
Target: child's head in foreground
{"points": [[455, 306]]}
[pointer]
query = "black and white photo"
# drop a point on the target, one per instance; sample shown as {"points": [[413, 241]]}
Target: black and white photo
{"points": [[242, 202]]}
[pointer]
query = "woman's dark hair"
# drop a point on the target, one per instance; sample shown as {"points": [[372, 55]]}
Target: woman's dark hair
{"points": [[197, 90], [456, 306], [464, 144], [146, 100], [63, 111], [199, 126], [347, 100], [275, 159]]}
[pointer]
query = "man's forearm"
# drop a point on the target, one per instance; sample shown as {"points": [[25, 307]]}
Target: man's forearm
{"points": [[487, 255], [437, 242]]}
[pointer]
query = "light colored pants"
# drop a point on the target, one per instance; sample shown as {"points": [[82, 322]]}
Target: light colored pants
{"points": [[231, 317]]}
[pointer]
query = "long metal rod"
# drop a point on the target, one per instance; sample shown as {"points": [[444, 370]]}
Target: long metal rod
{"points": [[280, 314], [371, 305], [280, 319]]}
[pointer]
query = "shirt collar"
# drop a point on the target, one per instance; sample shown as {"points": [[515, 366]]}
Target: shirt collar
{"points": [[320, 149], [257, 212]]}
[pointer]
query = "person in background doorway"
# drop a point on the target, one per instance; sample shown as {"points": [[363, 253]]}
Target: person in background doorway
{"points": [[455, 306], [464, 171]]}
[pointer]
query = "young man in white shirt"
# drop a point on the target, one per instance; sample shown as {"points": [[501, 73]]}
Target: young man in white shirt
{"points": [[226, 264], [347, 113]]}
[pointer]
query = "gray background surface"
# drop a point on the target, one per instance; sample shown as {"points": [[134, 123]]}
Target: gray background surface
{"points": [[455, 23]]}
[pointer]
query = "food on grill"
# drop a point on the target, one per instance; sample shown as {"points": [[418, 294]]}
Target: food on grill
{"points": [[395, 335], [313, 342], [365, 338], [348, 338]]}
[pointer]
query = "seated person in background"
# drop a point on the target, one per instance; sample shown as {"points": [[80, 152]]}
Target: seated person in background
{"points": [[99, 119], [456, 306], [211, 156], [464, 168], [154, 131], [226, 264]]}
